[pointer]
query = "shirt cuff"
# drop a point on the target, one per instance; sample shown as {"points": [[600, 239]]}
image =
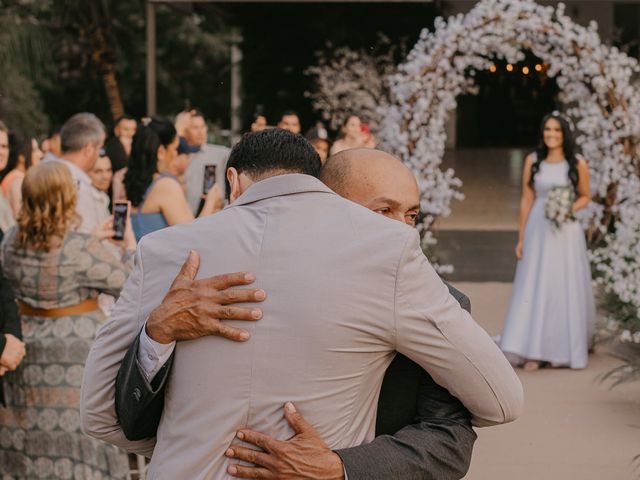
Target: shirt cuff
{"points": [[152, 355]]}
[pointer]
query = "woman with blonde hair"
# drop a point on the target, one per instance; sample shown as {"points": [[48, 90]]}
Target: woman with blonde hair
{"points": [[56, 274]]}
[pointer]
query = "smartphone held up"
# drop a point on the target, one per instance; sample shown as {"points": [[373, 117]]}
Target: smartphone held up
{"points": [[120, 216], [209, 178]]}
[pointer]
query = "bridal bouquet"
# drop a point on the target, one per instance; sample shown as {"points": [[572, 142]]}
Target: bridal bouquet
{"points": [[557, 207]]}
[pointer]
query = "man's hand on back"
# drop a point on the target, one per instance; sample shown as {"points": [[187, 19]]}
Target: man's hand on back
{"points": [[194, 308], [304, 456]]}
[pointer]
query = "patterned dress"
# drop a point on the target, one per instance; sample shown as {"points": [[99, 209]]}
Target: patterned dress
{"points": [[40, 434]]}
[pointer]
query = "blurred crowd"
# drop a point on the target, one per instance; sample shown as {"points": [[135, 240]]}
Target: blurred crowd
{"points": [[144, 151], [72, 208]]}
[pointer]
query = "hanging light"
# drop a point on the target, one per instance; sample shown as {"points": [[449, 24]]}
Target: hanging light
{"points": [[493, 69], [509, 67], [538, 67], [525, 70]]}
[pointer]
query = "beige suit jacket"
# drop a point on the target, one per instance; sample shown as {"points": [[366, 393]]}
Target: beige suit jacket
{"points": [[346, 289]]}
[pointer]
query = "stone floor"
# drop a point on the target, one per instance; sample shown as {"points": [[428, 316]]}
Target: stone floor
{"points": [[573, 427], [479, 236], [477, 255], [491, 183]]}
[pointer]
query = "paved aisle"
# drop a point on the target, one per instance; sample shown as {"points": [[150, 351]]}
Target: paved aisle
{"points": [[573, 427]]}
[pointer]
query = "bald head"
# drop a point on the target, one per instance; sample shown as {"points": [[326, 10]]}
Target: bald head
{"points": [[376, 180]]}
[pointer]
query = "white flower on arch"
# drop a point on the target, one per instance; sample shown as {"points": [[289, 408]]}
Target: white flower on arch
{"points": [[597, 91]]}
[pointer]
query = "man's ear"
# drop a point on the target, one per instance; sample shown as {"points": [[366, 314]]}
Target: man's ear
{"points": [[233, 184]]}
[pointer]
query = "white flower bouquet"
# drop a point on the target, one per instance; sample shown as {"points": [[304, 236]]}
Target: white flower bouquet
{"points": [[557, 206]]}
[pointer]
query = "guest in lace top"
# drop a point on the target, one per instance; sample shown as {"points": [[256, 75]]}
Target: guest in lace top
{"points": [[56, 274]]}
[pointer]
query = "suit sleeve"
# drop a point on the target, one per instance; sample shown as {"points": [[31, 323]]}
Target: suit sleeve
{"points": [[460, 297], [437, 445], [139, 403], [435, 332], [97, 400]]}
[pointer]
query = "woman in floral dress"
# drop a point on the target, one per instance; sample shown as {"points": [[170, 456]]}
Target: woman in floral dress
{"points": [[56, 274]]}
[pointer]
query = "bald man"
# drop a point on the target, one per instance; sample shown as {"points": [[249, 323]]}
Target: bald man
{"points": [[422, 431]]}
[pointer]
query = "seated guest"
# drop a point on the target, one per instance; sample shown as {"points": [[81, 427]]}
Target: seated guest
{"points": [[152, 181], [56, 273], [118, 147], [24, 152]]}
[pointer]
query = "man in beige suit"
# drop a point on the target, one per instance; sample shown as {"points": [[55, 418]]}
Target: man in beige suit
{"points": [[346, 288]]}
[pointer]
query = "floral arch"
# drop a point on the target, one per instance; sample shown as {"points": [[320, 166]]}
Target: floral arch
{"points": [[596, 83]]}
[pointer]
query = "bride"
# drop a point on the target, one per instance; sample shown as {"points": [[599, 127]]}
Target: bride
{"points": [[551, 313]]}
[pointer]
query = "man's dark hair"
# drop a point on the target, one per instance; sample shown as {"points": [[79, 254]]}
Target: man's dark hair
{"points": [[126, 116], [55, 130], [273, 152], [287, 113]]}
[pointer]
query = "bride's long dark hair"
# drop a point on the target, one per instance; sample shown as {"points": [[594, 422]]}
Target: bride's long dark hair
{"points": [[568, 148]]}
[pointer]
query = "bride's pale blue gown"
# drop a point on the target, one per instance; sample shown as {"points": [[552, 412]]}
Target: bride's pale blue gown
{"points": [[551, 315]]}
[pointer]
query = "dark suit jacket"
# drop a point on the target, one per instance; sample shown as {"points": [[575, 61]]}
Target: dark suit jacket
{"points": [[9, 318], [422, 431]]}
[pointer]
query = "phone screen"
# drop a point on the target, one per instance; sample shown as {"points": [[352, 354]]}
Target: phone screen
{"points": [[209, 178], [120, 214]]}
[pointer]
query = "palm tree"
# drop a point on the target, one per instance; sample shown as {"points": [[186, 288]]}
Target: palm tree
{"points": [[23, 58], [91, 24]]}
